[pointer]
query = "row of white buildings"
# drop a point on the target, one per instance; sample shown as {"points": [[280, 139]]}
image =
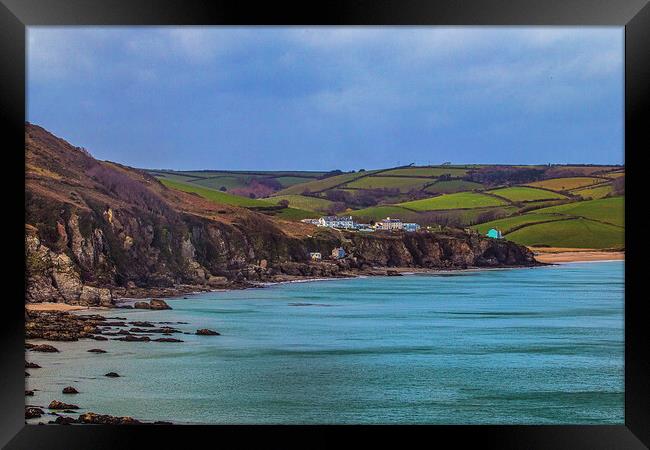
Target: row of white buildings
{"points": [[347, 223]]}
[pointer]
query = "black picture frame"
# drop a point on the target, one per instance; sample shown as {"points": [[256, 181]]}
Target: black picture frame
{"points": [[634, 15]]}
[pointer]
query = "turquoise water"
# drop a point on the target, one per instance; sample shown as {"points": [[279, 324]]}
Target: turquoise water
{"points": [[515, 346]]}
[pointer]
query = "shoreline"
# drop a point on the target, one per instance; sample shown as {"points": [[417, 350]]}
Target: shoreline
{"points": [[187, 290], [110, 326], [559, 255]]}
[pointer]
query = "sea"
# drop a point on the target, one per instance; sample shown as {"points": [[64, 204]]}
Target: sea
{"points": [[539, 345]]}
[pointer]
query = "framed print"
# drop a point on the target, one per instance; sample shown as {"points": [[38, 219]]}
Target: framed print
{"points": [[381, 218]]}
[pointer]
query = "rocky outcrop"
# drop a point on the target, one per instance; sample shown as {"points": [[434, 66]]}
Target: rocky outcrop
{"points": [[102, 419], [33, 412], [55, 404], [207, 332], [96, 231]]}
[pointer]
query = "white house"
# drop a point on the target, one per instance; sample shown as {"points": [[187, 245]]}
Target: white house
{"points": [[336, 222], [389, 224], [411, 227], [316, 256]]}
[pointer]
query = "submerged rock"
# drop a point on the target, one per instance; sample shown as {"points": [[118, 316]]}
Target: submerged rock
{"points": [[143, 324], [158, 304], [46, 348], [101, 419], [32, 412], [132, 338], [207, 332], [167, 340], [70, 390], [112, 375], [55, 404], [96, 350], [64, 420]]}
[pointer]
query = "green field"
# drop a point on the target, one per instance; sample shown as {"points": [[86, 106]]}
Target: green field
{"points": [[427, 171], [322, 185], [566, 184], [507, 224], [594, 192], [215, 179], [380, 181], [381, 212], [302, 202], [215, 196], [525, 194], [296, 214], [609, 210], [235, 200], [577, 233], [452, 186], [454, 201]]}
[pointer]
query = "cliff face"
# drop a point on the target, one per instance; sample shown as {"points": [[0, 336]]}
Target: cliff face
{"points": [[96, 230]]}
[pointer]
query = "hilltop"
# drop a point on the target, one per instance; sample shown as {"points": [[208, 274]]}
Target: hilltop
{"points": [[527, 203], [97, 230]]}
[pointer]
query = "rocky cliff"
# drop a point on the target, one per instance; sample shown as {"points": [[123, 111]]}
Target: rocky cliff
{"points": [[97, 230]]}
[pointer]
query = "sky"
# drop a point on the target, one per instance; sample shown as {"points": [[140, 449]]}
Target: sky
{"points": [[325, 98]]}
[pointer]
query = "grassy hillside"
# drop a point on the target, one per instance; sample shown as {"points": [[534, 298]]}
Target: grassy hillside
{"points": [[322, 185], [217, 179], [607, 210], [215, 196], [584, 224], [576, 233], [571, 204], [302, 202], [380, 212], [234, 200], [526, 194], [566, 184], [427, 171], [593, 192], [377, 182], [453, 201], [452, 186]]}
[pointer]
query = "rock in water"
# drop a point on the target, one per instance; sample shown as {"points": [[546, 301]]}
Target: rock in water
{"points": [[70, 390], [132, 338], [46, 348], [206, 332], [158, 304], [64, 420], [31, 365], [141, 305], [29, 393], [167, 340], [93, 418], [31, 412], [55, 404], [112, 375], [97, 350]]}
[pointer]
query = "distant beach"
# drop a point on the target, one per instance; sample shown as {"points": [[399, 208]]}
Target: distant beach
{"points": [[564, 255]]}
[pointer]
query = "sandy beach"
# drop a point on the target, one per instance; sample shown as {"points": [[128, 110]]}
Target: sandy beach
{"points": [[565, 255], [50, 306]]}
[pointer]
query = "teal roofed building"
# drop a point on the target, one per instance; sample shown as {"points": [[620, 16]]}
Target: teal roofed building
{"points": [[494, 234]]}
